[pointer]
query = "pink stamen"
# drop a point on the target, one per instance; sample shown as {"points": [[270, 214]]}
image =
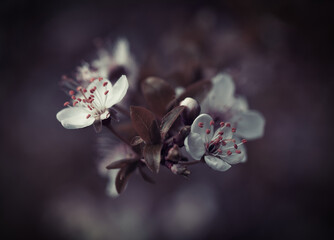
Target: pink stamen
{"points": [[88, 116], [79, 88], [228, 124], [207, 131], [66, 104], [100, 78], [234, 130], [212, 122], [105, 84], [221, 133], [84, 90], [71, 92], [200, 124], [73, 97], [229, 152], [243, 140], [106, 92], [222, 124], [79, 99], [92, 79], [237, 151], [235, 146], [75, 103]]}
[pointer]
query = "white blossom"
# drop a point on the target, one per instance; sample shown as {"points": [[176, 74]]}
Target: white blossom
{"points": [[219, 149], [224, 106], [92, 103]]}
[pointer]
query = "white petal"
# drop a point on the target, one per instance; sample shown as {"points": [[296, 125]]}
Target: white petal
{"points": [[240, 104], [205, 119], [250, 124], [111, 187], [236, 157], [195, 145], [220, 97], [118, 91], [216, 163], [74, 117], [121, 51]]}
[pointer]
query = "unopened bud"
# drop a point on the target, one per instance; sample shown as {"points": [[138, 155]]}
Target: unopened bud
{"points": [[191, 111], [173, 154], [179, 169]]}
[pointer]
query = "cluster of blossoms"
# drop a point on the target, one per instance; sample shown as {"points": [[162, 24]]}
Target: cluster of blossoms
{"points": [[155, 123]]}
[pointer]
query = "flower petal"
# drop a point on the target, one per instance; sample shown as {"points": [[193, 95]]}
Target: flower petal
{"points": [[74, 117], [216, 163], [236, 157], [118, 91], [197, 127], [250, 124], [220, 97], [240, 104], [195, 145]]}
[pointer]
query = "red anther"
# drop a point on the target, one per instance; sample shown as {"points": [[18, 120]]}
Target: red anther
{"points": [[90, 108], [79, 88], [88, 116], [100, 78], [219, 150], [92, 90], [229, 152], [66, 104], [79, 99], [228, 124], [106, 92], [200, 124], [105, 84], [75, 103], [223, 143], [212, 122], [234, 130], [92, 79], [71, 92], [84, 100], [233, 140], [207, 131], [235, 146], [222, 124], [243, 140], [73, 97], [221, 133], [237, 151], [92, 96], [84, 90]]}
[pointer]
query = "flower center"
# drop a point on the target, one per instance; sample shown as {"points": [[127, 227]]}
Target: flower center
{"points": [[93, 100]]}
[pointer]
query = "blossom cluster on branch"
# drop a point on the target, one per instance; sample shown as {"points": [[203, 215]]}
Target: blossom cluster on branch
{"points": [[155, 123]]}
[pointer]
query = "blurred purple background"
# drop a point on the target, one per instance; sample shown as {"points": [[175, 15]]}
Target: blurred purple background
{"points": [[281, 53]]}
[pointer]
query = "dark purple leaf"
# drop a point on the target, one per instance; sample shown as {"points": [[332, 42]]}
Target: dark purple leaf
{"points": [[152, 155], [169, 119], [158, 94], [197, 91], [136, 140], [121, 163], [145, 124], [123, 176], [145, 176]]}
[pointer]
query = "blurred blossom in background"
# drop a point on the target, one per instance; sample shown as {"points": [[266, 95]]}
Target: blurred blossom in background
{"points": [[280, 55]]}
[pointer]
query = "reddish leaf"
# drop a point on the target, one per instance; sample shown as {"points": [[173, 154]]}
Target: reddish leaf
{"points": [[123, 176], [169, 119], [145, 176], [136, 140], [158, 94], [198, 90], [121, 163], [145, 124], [152, 155]]}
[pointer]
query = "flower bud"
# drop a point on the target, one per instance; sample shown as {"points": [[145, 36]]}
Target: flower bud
{"points": [[179, 169], [191, 111]]}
